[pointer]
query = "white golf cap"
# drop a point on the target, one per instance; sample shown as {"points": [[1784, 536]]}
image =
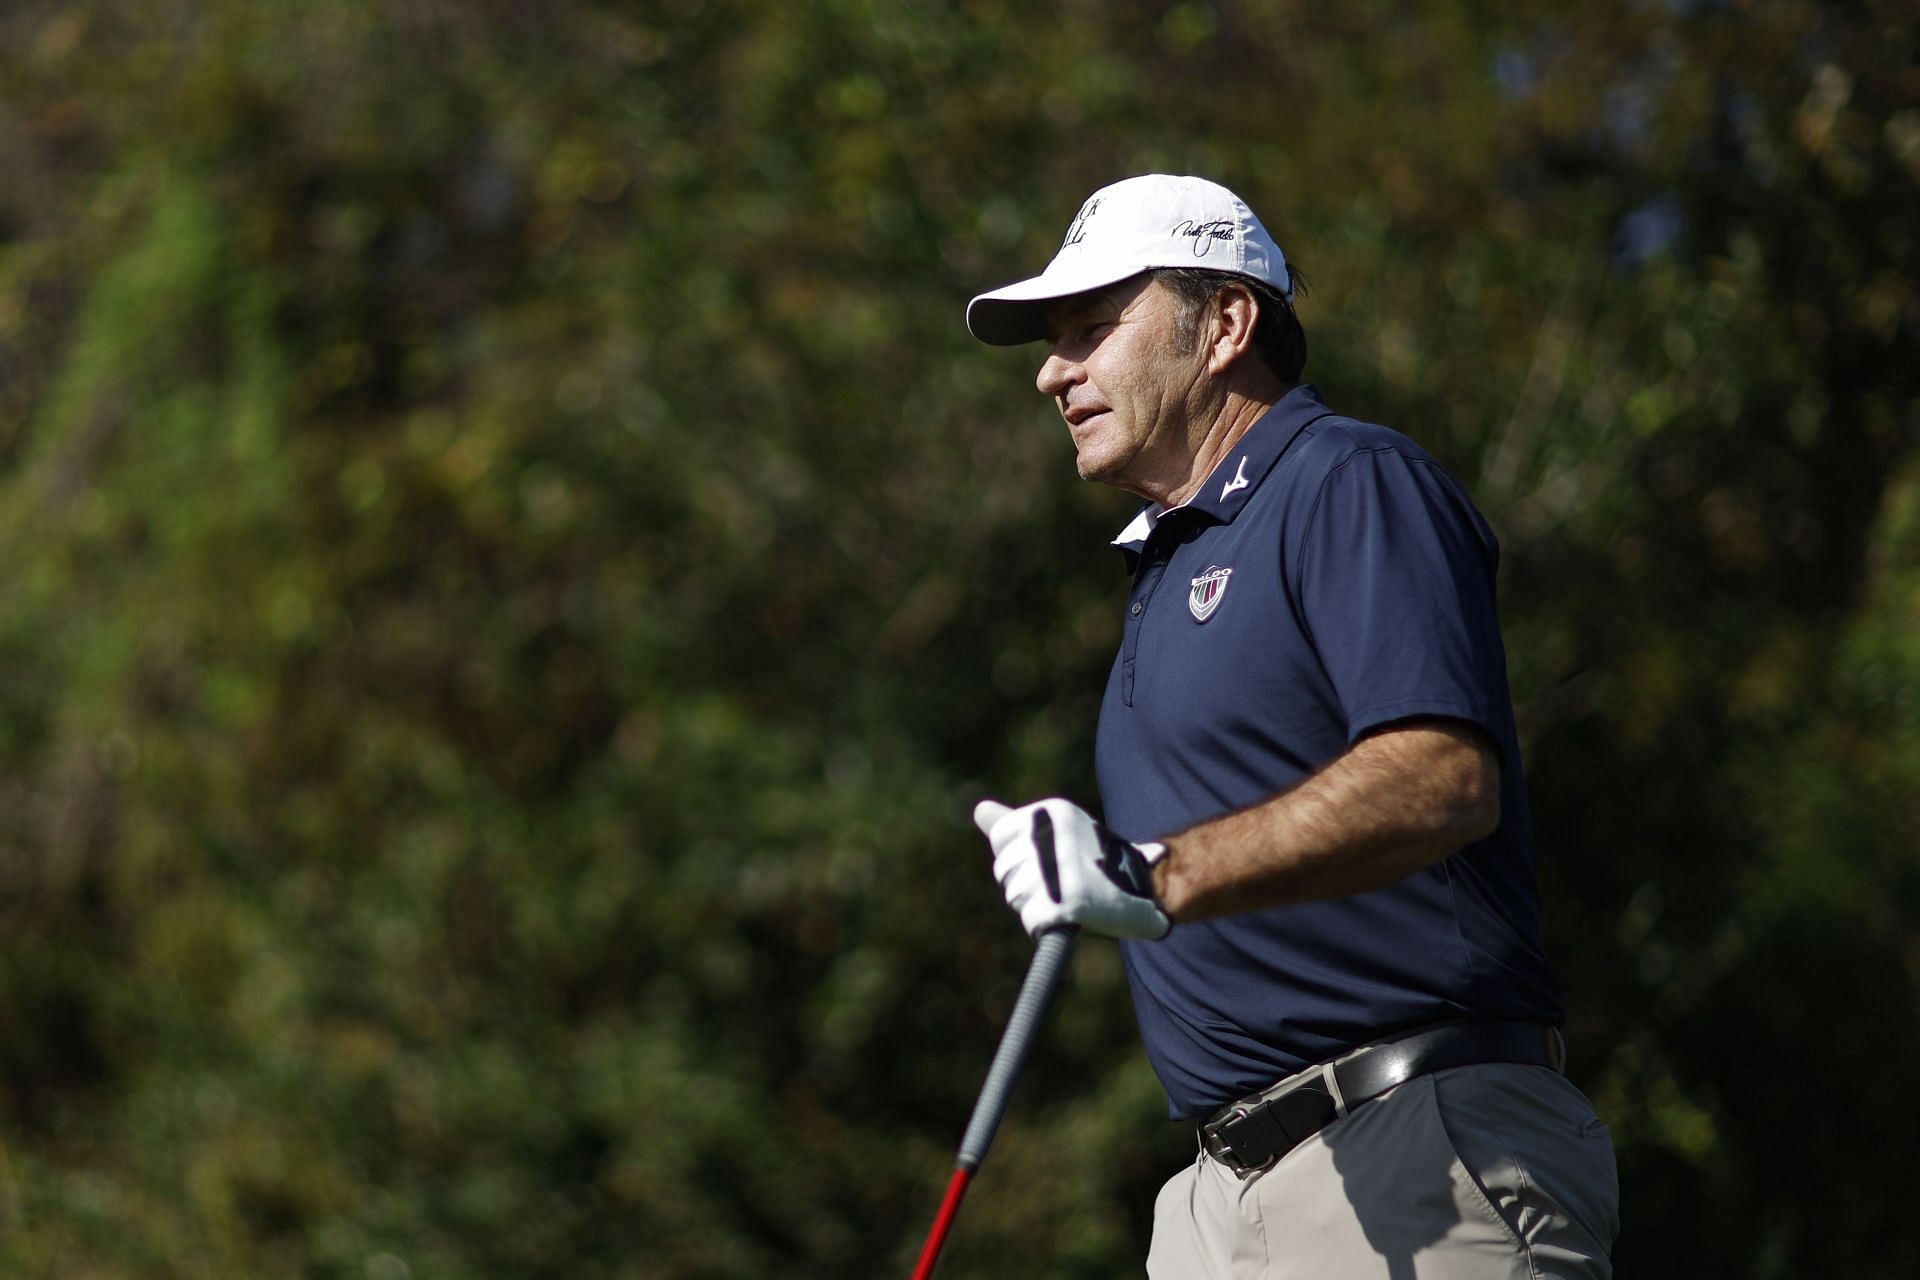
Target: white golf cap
{"points": [[1135, 225]]}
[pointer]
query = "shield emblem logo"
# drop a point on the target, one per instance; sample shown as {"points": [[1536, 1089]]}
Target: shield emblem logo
{"points": [[1207, 591]]}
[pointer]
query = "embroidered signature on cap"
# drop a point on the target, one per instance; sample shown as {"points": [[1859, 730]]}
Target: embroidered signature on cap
{"points": [[1077, 229], [1203, 234]]}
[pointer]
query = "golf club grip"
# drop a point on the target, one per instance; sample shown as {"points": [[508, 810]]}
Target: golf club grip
{"points": [[1048, 966]]}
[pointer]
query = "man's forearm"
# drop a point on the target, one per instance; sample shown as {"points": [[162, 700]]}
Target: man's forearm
{"points": [[1393, 803]]}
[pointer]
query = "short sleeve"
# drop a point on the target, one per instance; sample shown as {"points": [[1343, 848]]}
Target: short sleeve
{"points": [[1395, 586]]}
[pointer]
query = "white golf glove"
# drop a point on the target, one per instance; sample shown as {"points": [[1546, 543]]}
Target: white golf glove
{"points": [[1058, 866]]}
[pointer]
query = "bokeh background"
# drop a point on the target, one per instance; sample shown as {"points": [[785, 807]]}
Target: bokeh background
{"points": [[514, 575]]}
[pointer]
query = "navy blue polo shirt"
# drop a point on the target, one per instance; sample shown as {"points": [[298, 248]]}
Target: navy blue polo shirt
{"points": [[1328, 579]]}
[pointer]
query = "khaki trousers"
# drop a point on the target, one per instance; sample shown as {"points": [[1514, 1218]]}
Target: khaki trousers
{"points": [[1487, 1171]]}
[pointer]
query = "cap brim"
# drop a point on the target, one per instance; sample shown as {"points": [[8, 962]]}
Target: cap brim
{"points": [[1016, 313]]}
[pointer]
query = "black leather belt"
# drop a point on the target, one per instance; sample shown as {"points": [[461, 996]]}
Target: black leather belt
{"points": [[1251, 1134]]}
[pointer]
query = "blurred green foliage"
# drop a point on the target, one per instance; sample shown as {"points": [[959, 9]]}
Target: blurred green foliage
{"points": [[515, 574]]}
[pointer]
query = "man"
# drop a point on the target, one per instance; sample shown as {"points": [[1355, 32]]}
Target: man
{"points": [[1317, 849]]}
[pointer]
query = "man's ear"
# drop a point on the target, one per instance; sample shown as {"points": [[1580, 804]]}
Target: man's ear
{"points": [[1230, 322]]}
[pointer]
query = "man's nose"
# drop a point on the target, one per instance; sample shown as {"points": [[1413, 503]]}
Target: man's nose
{"points": [[1057, 373]]}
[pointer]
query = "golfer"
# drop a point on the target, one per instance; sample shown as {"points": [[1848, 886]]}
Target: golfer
{"points": [[1316, 847]]}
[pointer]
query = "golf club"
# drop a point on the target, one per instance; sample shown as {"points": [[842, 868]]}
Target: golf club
{"points": [[1036, 992]]}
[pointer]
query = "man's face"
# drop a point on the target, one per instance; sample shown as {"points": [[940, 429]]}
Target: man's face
{"points": [[1128, 388]]}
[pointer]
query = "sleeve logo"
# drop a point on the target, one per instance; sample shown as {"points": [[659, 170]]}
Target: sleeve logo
{"points": [[1207, 591]]}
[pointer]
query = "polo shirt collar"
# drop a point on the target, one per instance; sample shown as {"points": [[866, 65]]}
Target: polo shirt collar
{"points": [[1235, 478]]}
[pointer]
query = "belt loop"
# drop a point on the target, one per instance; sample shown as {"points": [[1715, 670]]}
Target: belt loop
{"points": [[1557, 1049], [1332, 1080]]}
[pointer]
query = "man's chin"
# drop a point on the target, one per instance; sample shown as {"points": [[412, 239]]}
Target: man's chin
{"points": [[1098, 467], [1115, 473]]}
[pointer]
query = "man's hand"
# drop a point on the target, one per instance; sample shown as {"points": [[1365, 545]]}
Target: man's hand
{"points": [[1058, 866]]}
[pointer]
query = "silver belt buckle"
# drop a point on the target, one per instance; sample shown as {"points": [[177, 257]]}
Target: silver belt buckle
{"points": [[1210, 1140], [1214, 1145]]}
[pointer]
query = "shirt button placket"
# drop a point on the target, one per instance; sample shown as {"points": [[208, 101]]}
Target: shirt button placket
{"points": [[1152, 566]]}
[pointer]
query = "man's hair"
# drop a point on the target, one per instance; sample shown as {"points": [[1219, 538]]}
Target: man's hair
{"points": [[1278, 338]]}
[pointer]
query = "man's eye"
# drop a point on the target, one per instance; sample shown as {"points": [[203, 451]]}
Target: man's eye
{"points": [[1079, 334]]}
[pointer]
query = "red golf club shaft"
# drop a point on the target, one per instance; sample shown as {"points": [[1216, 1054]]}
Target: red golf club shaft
{"points": [[1036, 993], [950, 1206]]}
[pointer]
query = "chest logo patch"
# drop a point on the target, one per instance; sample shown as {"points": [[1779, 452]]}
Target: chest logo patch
{"points": [[1207, 592]]}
